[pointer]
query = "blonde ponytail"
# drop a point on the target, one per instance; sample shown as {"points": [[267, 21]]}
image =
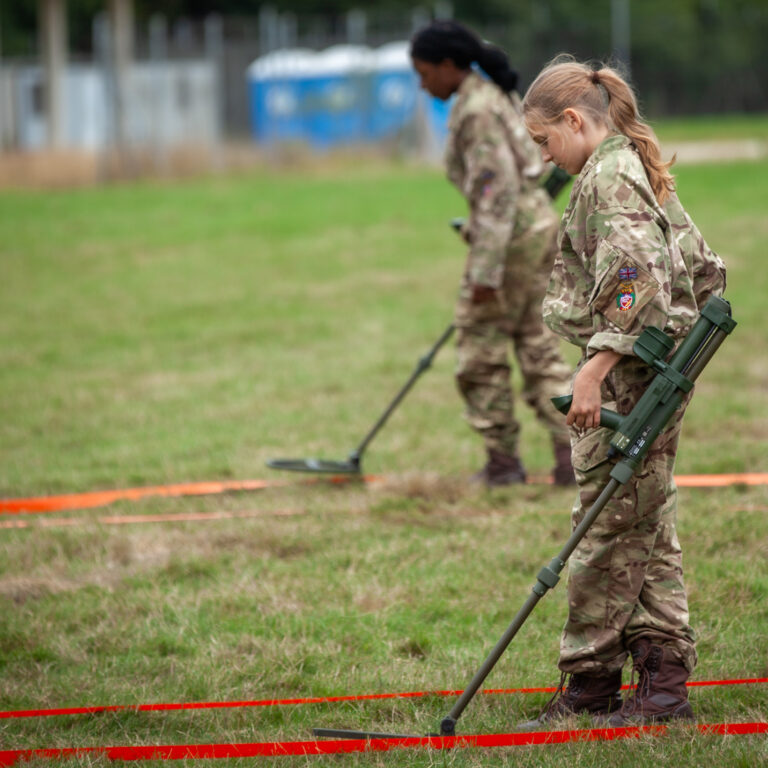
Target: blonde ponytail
{"points": [[622, 108], [609, 100]]}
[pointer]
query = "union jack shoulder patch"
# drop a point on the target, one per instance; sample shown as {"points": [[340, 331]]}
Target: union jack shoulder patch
{"points": [[627, 274]]}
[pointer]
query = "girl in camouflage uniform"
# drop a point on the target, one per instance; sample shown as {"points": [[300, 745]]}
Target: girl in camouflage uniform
{"points": [[511, 234], [630, 257]]}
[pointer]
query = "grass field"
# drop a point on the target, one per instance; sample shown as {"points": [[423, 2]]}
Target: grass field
{"points": [[713, 128], [169, 332]]}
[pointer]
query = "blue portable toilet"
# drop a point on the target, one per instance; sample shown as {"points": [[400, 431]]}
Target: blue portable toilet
{"points": [[276, 89], [336, 96], [317, 97], [395, 90], [399, 101], [346, 94]]}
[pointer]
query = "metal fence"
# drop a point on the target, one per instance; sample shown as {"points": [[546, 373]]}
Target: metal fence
{"points": [[189, 78]]}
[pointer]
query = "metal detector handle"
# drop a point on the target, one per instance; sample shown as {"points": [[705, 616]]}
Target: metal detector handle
{"points": [[609, 419]]}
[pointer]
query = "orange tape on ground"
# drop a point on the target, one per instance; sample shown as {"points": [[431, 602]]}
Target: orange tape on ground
{"points": [[720, 481], [102, 498], [36, 504], [92, 499], [345, 746], [171, 517]]}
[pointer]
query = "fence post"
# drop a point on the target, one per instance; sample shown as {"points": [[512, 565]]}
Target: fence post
{"points": [[121, 38], [213, 32], [620, 33], [268, 29], [357, 26], [53, 38], [6, 105], [158, 56]]}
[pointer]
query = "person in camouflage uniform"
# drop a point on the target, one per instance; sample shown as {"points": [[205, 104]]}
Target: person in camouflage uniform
{"points": [[511, 234], [630, 257]]}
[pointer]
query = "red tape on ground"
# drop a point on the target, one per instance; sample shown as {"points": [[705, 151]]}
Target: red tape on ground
{"points": [[37, 504], [312, 700], [341, 746]]}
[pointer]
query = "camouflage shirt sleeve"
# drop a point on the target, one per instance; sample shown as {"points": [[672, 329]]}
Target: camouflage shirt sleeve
{"points": [[625, 262], [491, 187], [632, 271], [706, 268]]}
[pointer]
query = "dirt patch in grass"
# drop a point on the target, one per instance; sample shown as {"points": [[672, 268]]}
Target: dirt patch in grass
{"points": [[426, 486], [20, 589]]}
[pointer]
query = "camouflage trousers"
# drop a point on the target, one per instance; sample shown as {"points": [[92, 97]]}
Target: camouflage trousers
{"points": [[625, 579], [484, 333]]}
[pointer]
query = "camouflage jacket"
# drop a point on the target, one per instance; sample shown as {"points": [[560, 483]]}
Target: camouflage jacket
{"points": [[626, 262], [496, 166]]}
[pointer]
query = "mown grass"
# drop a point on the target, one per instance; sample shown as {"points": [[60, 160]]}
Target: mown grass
{"points": [[733, 127], [160, 333]]}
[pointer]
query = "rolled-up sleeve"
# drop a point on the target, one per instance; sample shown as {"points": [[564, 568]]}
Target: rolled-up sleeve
{"points": [[491, 186]]}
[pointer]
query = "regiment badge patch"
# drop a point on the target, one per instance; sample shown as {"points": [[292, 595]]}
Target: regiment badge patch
{"points": [[625, 299]]}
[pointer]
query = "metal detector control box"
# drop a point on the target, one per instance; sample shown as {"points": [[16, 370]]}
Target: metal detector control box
{"points": [[635, 432]]}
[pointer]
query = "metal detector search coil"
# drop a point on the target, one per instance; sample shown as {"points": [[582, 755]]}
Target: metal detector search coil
{"points": [[353, 464], [349, 467]]}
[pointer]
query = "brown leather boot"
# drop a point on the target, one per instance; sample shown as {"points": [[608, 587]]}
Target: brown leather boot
{"points": [[661, 693], [500, 469], [583, 694], [562, 474]]}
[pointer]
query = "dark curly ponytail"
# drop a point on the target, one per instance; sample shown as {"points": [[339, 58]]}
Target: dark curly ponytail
{"points": [[442, 40]]}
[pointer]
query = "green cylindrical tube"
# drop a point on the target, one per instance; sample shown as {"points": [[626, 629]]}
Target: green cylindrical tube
{"points": [[675, 379]]}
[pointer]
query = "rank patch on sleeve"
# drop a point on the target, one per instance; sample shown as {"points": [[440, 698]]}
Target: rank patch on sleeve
{"points": [[625, 299], [624, 289]]}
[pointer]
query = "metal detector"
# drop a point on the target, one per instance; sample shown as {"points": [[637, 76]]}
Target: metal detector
{"points": [[553, 184], [352, 465], [633, 436]]}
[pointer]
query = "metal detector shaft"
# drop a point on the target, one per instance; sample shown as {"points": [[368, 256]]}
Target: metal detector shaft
{"points": [[546, 579], [424, 363], [337, 733]]}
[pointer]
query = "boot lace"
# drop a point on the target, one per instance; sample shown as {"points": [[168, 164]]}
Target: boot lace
{"points": [[642, 671], [559, 700]]}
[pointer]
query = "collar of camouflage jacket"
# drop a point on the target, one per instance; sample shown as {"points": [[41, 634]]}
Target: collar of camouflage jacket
{"points": [[610, 144], [469, 83]]}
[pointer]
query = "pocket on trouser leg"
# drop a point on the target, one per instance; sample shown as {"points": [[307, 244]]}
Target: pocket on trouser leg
{"points": [[468, 314], [481, 351], [592, 468], [589, 449], [589, 457]]}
